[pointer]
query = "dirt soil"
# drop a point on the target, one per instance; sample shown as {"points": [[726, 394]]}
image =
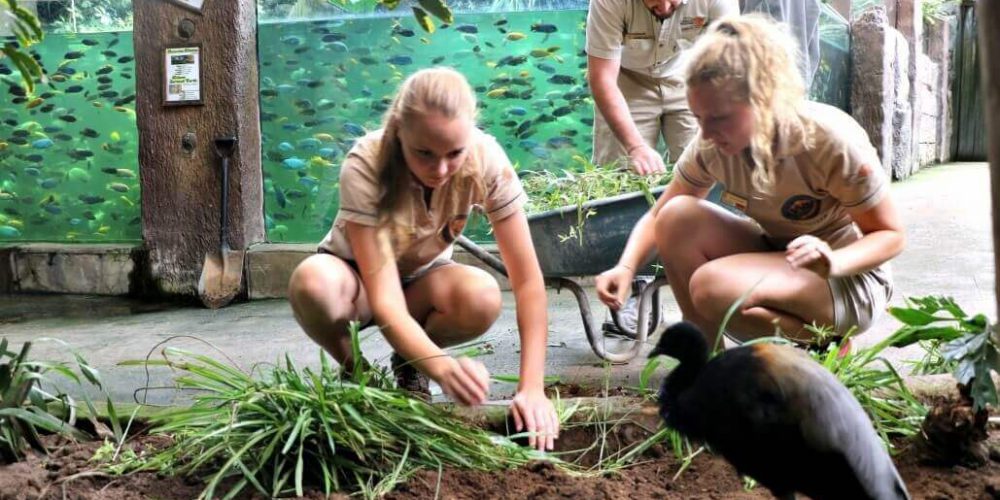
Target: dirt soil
{"points": [[67, 472]]}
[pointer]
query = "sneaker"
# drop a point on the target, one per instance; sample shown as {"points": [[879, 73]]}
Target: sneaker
{"points": [[628, 314], [409, 379]]}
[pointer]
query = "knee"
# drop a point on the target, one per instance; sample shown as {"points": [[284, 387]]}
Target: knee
{"points": [[708, 295], [478, 302], [315, 284], [676, 219]]}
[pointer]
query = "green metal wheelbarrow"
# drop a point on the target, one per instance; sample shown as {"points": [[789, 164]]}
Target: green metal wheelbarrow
{"points": [[603, 239]]}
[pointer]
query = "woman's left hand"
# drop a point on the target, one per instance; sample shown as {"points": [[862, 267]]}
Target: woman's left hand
{"points": [[812, 253], [532, 409]]}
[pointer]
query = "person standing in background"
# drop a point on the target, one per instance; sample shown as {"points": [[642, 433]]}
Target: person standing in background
{"points": [[635, 60]]}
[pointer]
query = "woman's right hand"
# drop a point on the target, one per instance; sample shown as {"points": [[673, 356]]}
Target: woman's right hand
{"points": [[613, 286], [464, 380], [644, 160]]}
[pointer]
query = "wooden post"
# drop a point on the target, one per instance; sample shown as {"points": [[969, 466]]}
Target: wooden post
{"points": [[179, 169], [989, 52]]}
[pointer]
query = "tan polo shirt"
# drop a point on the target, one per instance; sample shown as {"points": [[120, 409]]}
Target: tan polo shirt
{"points": [[434, 227], [627, 31], [813, 187]]}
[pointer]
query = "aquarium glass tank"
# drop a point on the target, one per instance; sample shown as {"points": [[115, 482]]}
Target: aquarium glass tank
{"points": [[68, 158], [330, 68]]}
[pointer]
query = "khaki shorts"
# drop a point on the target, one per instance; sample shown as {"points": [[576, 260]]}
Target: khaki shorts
{"points": [[859, 299], [658, 107]]}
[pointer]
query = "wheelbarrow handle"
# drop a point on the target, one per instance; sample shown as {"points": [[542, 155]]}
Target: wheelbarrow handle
{"points": [[594, 334]]}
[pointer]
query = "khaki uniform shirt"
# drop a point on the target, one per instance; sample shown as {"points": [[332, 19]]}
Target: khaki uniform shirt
{"points": [[627, 30], [434, 228], [813, 187]]}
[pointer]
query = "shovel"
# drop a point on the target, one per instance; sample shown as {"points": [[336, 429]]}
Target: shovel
{"points": [[222, 273]]}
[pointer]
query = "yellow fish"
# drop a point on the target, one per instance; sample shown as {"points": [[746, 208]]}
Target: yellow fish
{"points": [[323, 137], [500, 92], [103, 229], [514, 36], [115, 136], [317, 161]]}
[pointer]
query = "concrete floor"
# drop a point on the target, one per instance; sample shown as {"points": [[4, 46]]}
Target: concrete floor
{"points": [[949, 251]]}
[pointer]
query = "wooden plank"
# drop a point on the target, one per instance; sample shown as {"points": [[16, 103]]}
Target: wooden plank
{"points": [[989, 42]]}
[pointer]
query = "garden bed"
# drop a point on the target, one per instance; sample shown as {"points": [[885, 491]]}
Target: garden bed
{"points": [[69, 472]]}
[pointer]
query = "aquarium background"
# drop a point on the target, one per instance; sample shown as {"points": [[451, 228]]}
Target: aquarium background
{"points": [[68, 163], [68, 157]]}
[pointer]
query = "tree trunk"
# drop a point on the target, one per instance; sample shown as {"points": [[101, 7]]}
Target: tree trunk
{"points": [[989, 46]]}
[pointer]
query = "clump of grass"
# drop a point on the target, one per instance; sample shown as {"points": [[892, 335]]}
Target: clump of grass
{"points": [[548, 191], [876, 384], [289, 427]]}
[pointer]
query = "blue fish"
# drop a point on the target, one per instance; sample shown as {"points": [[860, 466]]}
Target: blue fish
{"points": [[559, 142], [9, 232], [42, 143], [467, 28], [294, 163], [339, 47], [284, 88], [49, 183], [291, 40], [285, 147], [308, 181], [548, 68], [354, 129], [32, 171], [400, 60], [75, 221], [309, 143], [292, 127], [327, 153], [540, 153]]}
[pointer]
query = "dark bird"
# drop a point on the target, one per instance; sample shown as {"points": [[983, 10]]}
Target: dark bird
{"points": [[777, 416]]}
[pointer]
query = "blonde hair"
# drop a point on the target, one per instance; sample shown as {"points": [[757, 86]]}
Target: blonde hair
{"points": [[754, 58], [433, 90]]}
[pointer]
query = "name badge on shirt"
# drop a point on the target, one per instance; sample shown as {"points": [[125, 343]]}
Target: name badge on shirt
{"points": [[638, 41], [734, 201]]}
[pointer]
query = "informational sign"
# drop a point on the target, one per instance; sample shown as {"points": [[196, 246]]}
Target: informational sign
{"points": [[182, 75], [194, 5]]}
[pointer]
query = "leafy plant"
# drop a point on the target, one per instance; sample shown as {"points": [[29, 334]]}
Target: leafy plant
{"points": [[966, 344], [277, 431], [27, 406], [874, 382], [27, 31]]}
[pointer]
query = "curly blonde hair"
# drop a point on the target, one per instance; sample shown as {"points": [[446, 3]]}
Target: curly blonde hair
{"points": [[433, 90], [754, 59]]}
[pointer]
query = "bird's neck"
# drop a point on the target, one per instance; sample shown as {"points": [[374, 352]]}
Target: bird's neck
{"points": [[683, 376]]}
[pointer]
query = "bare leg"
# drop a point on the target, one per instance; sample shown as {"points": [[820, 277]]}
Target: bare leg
{"points": [[691, 232], [326, 295], [455, 303], [712, 258], [786, 298]]}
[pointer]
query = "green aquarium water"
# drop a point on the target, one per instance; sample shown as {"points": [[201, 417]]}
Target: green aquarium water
{"points": [[68, 151], [325, 82], [68, 156]]}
